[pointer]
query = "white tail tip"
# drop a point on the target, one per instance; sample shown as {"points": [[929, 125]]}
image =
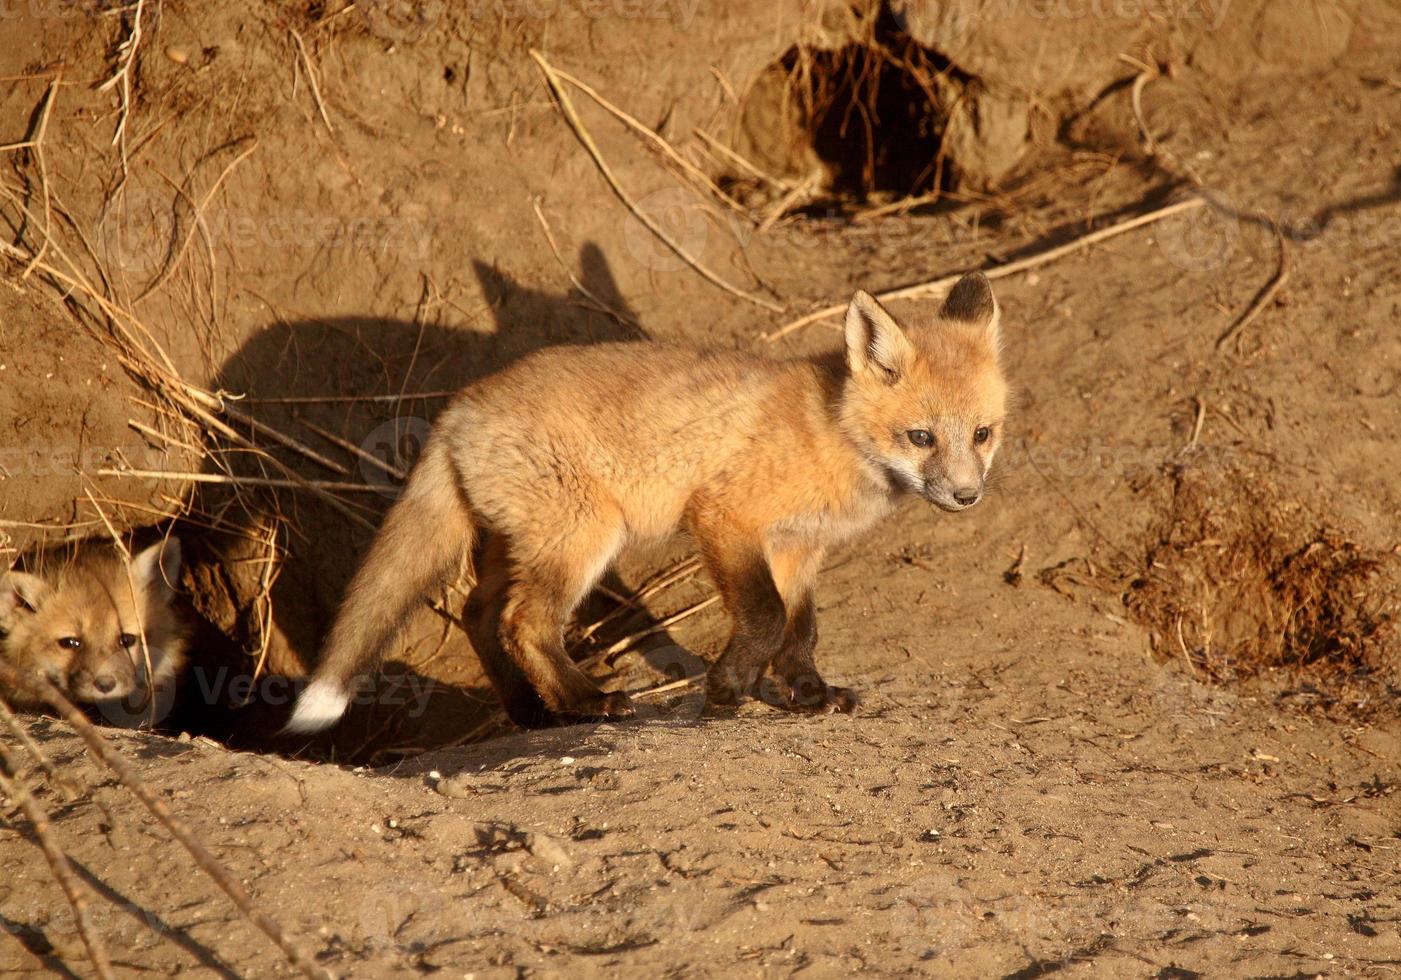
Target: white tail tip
{"points": [[320, 706]]}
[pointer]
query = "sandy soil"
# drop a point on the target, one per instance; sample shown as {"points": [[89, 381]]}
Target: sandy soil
{"points": [[1027, 789]]}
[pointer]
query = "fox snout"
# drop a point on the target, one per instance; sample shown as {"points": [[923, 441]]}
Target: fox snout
{"points": [[952, 498], [954, 480], [103, 682]]}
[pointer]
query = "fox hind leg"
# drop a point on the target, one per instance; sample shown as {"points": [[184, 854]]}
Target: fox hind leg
{"points": [[483, 615], [546, 583], [741, 573]]}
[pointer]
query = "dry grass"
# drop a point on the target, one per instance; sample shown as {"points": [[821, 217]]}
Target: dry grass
{"points": [[1239, 579]]}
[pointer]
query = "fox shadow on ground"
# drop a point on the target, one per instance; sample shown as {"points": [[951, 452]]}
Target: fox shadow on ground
{"points": [[346, 404]]}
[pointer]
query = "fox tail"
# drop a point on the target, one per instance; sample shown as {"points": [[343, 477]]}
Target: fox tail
{"points": [[428, 529]]}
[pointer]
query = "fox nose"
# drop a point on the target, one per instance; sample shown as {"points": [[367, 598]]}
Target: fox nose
{"points": [[105, 683], [967, 496]]}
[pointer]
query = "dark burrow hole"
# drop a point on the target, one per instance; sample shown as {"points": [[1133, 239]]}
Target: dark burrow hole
{"points": [[874, 112]]}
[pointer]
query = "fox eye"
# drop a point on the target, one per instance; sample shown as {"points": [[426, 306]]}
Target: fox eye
{"points": [[981, 435], [126, 641], [70, 643], [922, 438]]}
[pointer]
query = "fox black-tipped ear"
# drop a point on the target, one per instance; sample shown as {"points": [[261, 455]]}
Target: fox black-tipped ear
{"points": [[971, 302], [874, 341], [157, 568], [20, 592]]}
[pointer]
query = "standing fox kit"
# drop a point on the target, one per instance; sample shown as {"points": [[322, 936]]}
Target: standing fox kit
{"points": [[100, 630], [543, 472]]}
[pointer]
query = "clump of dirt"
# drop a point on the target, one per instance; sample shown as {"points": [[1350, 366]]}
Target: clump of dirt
{"points": [[1240, 578]]}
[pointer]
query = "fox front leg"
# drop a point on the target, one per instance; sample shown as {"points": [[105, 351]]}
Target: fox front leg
{"points": [[794, 681], [759, 622], [741, 572]]}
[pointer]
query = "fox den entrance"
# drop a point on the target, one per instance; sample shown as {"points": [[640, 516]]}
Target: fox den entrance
{"points": [[867, 118]]}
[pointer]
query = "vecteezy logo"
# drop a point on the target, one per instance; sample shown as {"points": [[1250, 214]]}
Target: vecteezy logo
{"points": [[389, 905], [1200, 239], [944, 24], [401, 21], [932, 917], [684, 703], [141, 709], [139, 232], [397, 445], [678, 214]]}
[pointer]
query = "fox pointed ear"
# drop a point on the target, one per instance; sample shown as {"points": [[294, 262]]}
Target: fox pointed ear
{"points": [[20, 592], [157, 568], [971, 302], [875, 344]]}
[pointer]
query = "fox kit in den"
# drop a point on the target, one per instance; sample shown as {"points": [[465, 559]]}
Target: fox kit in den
{"points": [[100, 631], [544, 471]]}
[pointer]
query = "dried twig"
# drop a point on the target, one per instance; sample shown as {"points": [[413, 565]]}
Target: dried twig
{"points": [[554, 247], [1000, 271], [662, 580], [206, 861], [311, 81], [73, 889], [1263, 297], [632, 638], [355, 450], [1163, 158], [1013, 575], [41, 125], [650, 692], [40, 526], [194, 400], [556, 86], [348, 399], [282, 439], [661, 145], [35, 144], [1146, 74], [743, 163], [126, 64], [263, 601], [1197, 424], [245, 481], [788, 201], [179, 252], [900, 206], [668, 577]]}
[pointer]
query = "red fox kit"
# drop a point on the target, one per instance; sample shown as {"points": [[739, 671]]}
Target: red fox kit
{"points": [[84, 630], [543, 472]]}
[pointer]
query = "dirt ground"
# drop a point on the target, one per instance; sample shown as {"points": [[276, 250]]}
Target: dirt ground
{"points": [[1036, 782]]}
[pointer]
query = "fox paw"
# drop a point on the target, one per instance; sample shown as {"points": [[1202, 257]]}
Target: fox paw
{"points": [[806, 693], [840, 700], [609, 706]]}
